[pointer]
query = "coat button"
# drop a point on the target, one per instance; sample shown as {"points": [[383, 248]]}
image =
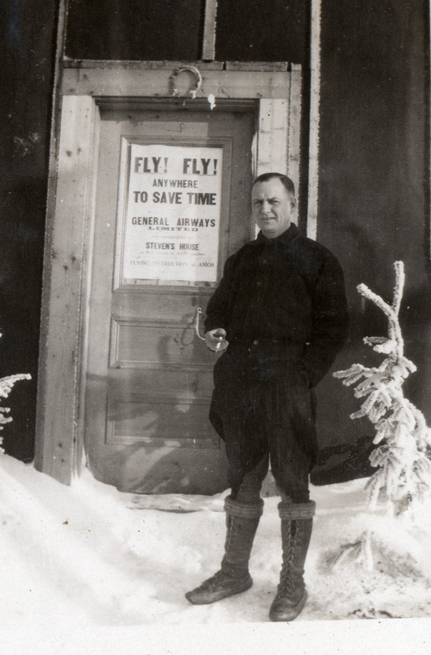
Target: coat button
{"points": [[255, 342]]}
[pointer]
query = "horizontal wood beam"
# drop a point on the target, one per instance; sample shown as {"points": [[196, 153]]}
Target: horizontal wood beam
{"points": [[128, 82]]}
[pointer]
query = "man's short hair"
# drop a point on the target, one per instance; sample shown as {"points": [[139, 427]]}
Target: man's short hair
{"points": [[286, 181]]}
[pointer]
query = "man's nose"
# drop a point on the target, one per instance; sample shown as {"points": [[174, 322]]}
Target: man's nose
{"points": [[265, 207]]}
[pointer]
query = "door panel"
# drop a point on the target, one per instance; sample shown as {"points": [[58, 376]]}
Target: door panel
{"points": [[148, 376]]}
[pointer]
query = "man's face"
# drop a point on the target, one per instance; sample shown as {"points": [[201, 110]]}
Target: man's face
{"points": [[272, 207]]}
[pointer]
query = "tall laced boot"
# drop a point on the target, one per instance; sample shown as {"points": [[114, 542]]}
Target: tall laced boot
{"points": [[233, 578], [296, 527]]}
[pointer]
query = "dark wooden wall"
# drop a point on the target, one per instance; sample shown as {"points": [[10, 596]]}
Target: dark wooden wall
{"points": [[27, 38], [373, 191], [135, 29], [247, 30], [374, 186]]}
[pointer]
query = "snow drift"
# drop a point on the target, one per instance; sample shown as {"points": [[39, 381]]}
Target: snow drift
{"points": [[88, 555]]}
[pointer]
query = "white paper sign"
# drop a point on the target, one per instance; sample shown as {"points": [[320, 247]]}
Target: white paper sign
{"points": [[172, 221]]}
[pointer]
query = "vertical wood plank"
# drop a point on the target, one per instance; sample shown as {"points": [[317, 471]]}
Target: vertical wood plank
{"points": [[210, 25], [58, 446], [272, 145], [294, 136], [313, 166]]}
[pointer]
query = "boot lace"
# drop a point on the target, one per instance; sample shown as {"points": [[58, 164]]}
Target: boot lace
{"points": [[290, 577]]}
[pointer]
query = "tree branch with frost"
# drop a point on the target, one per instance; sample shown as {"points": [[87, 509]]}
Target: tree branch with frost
{"points": [[402, 435], [404, 470], [6, 386]]}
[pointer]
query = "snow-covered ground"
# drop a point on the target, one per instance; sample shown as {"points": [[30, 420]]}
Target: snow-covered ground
{"points": [[87, 558]]}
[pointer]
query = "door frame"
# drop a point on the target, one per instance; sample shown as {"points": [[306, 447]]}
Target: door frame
{"points": [[276, 89]]}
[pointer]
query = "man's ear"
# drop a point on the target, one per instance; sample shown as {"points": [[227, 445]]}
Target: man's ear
{"points": [[293, 202]]}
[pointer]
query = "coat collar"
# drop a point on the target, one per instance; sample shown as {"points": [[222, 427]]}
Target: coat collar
{"points": [[285, 237]]}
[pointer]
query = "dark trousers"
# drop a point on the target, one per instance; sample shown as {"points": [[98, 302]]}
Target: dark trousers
{"points": [[264, 410]]}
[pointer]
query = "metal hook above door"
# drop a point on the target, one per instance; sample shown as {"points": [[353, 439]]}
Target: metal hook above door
{"points": [[186, 69]]}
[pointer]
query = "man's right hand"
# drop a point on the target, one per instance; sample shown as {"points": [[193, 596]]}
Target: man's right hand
{"points": [[216, 339]]}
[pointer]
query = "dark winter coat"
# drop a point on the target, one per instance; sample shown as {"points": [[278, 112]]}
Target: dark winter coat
{"points": [[288, 290], [283, 306]]}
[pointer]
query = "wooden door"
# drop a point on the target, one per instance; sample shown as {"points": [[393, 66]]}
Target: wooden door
{"points": [[172, 202]]}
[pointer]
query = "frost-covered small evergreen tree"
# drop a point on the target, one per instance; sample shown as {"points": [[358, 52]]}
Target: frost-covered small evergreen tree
{"points": [[6, 386], [402, 435]]}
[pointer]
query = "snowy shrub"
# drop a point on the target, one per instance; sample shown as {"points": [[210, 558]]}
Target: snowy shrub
{"points": [[6, 386], [402, 435]]}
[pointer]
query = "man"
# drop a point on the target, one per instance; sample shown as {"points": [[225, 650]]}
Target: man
{"points": [[280, 315]]}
